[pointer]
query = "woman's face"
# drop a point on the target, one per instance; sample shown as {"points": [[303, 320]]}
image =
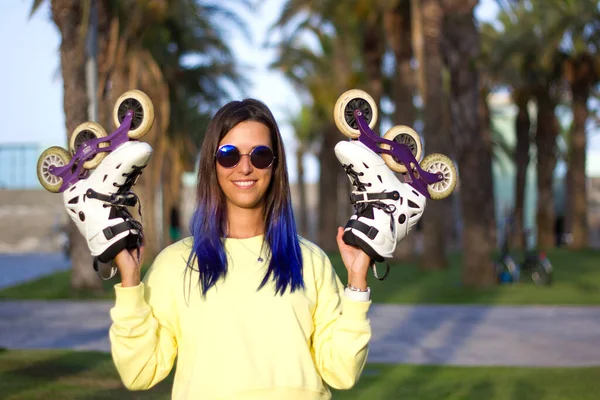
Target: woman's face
{"points": [[245, 185]]}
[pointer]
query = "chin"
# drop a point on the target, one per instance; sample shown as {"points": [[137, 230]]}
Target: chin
{"points": [[248, 204]]}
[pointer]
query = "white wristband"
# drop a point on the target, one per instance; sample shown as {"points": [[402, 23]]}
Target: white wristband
{"points": [[358, 296]]}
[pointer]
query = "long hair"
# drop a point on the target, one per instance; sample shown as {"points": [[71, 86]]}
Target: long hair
{"points": [[209, 223]]}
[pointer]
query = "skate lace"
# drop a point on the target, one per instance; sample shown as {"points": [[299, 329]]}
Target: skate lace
{"points": [[124, 198], [362, 208], [354, 176], [361, 187]]}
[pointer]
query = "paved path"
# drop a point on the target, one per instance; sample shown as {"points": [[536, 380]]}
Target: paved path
{"points": [[18, 268], [454, 335]]}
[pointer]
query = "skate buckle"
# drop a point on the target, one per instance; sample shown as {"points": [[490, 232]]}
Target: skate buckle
{"points": [[369, 197]]}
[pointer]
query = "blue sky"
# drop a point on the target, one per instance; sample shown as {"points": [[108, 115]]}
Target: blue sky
{"points": [[31, 106]]}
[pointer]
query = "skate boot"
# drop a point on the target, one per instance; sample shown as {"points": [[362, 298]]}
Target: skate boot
{"points": [[98, 204], [386, 209], [96, 173]]}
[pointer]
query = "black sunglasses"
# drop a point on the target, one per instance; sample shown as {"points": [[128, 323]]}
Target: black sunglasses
{"points": [[261, 157]]}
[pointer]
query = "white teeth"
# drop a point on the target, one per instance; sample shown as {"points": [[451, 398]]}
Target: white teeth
{"points": [[244, 183]]}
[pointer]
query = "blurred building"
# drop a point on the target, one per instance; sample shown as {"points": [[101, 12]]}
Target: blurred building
{"points": [[31, 216], [503, 121]]}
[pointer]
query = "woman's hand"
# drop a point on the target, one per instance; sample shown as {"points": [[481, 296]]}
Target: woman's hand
{"points": [[129, 266], [355, 260]]}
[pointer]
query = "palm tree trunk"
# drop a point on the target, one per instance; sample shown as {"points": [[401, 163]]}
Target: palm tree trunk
{"points": [[328, 190], [435, 229], [418, 43], [398, 34], [108, 26], [68, 17], [172, 173], [545, 141], [522, 127], [302, 207], [581, 78], [576, 184], [397, 27], [373, 50], [473, 151]]}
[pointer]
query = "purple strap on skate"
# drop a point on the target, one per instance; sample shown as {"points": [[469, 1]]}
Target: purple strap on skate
{"points": [[73, 171], [419, 178]]}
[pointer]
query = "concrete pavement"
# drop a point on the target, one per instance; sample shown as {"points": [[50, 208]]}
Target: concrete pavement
{"points": [[424, 334], [451, 335]]}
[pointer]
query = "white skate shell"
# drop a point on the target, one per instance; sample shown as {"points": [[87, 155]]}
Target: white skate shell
{"points": [[98, 204], [386, 209]]}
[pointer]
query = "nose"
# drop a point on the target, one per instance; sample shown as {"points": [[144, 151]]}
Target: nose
{"points": [[245, 166]]}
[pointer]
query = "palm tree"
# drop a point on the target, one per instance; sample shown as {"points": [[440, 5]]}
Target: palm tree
{"points": [[531, 37], [136, 43], [436, 223], [576, 22], [582, 72], [506, 69], [461, 47], [398, 26], [402, 87], [70, 19], [305, 130]]}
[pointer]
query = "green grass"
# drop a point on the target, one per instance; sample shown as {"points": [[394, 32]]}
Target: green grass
{"points": [[576, 282], [57, 286], [68, 375], [58, 374]]}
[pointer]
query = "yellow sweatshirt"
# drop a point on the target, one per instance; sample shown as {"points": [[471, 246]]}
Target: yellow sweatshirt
{"points": [[239, 343]]}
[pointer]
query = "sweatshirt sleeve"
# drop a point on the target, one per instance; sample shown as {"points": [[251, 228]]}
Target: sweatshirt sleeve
{"points": [[143, 334], [342, 331]]}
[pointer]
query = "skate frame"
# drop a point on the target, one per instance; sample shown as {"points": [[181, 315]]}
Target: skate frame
{"points": [[419, 178], [74, 171]]}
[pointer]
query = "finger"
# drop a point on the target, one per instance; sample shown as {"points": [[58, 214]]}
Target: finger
{"points": [[142, 252], [339, 237], [124, 260], [137, 254]]}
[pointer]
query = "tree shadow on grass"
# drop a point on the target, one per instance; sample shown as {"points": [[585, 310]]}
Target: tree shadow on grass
{"points": [[67, 375]]}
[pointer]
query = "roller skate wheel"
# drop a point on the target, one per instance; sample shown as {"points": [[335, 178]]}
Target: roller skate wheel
{"points": [[84, 132], [405, 135], [143, 109], [52, 156], [437, 163], [343, 112]]}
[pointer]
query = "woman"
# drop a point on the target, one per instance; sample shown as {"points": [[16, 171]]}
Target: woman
{"points": [[250, 310]]}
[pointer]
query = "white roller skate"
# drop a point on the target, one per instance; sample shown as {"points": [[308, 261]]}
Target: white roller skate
{"points": [[97, 200], [386, 209], [98, 204]]}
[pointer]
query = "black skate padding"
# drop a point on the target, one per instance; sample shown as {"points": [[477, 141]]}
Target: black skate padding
{"points": [[129, 242], [112, 231], [368, 230], [352, 240]]}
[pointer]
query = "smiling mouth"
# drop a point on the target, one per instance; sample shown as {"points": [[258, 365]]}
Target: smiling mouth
{"points": [[244, 184]]}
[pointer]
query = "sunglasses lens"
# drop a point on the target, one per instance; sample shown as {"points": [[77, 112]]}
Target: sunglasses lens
{"points": [[228, 156], [261, 157]]}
